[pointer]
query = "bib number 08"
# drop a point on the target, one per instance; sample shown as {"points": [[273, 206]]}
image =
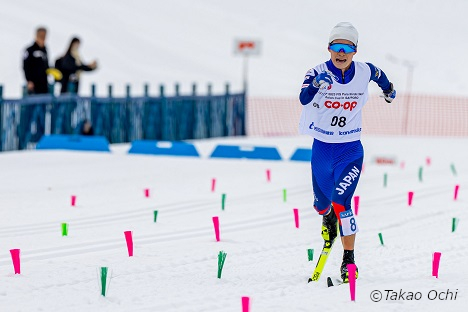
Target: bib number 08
{"points": [[341, 122]]}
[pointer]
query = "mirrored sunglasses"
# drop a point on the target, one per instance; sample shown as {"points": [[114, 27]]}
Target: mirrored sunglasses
{"points": [[341, 47]]}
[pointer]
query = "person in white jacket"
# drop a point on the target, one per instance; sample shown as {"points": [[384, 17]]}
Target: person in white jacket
{"points": [[333, 94]]}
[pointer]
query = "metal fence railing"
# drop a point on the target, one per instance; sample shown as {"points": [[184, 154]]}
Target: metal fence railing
{"points": [[24, 121]]}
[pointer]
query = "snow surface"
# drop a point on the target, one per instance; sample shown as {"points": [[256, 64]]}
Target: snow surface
{"points": [[186, 41], [175, 263]]}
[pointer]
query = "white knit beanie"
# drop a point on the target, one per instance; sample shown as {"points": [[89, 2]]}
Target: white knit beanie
{"points": [[344, 30]]}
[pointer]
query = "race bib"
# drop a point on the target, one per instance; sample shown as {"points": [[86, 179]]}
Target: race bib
{"points": [[335, 113], [348, 223]]}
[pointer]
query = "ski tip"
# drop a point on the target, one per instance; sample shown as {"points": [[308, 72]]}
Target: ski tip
{"points": [[310, 280], [329, 282]]}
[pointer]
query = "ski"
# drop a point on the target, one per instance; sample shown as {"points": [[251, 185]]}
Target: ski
{"points": [[337, 282], [321, 262], [327, 246]]}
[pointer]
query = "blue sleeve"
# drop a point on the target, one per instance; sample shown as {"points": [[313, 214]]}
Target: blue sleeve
{"points": [[308, 91], [379, 77]]}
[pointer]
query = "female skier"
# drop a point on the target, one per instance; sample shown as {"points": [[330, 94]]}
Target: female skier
{"points": [[333, 94]]}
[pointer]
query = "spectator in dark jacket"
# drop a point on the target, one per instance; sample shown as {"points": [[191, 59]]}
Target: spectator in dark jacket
{"points": [[71, 67], [35, 64]]}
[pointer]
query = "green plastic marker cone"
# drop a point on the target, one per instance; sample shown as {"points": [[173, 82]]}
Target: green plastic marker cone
{"points": [[385, 180], [223, 201], [454, 171], [64, 229], [310, 253], [454, 224], [221, 258], [381, 239], [155, 216], [420, 174], [103, 280], [284, 195]]}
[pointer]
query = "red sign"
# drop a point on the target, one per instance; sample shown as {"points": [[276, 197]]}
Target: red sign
{"points": [[247, 47], [382, 160]]}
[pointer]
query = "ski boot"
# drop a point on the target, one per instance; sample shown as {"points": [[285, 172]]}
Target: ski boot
{"points": [[329, 228], [348, 258]]}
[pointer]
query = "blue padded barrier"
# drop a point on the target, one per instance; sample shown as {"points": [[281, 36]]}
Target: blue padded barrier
{"points": [[302, 154], [168, 148], [249, 152], [73, 142]]}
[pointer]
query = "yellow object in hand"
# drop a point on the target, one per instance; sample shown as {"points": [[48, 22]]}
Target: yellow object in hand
{"points": [[54, 72]]}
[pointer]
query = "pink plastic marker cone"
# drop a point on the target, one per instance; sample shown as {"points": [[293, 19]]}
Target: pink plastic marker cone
{"points": [[352, 280], [402, 165], [245, 304], [455, 195], [213, 184], [296, 217], [410, 198], [129, 239], [73, 200], [268, 174], [428, 161], [147, 193], [356, 205], [15, 256], [435, 264], [216, 227]]}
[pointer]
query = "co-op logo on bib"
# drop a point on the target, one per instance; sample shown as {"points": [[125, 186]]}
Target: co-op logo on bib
{"points": [[337, 105]]}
